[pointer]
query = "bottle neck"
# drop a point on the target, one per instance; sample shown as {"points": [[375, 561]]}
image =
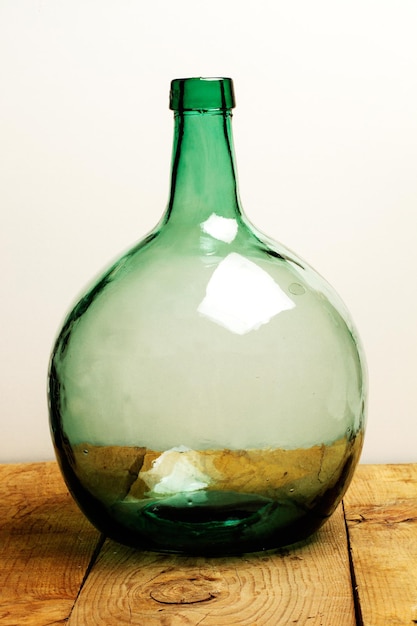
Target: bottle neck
{"points": [[203, 178]]}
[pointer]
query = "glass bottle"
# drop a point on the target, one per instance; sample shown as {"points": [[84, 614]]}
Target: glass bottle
{"points": [[207, 393]]}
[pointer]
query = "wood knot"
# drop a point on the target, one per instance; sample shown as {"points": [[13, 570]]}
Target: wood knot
{"points": [[184, 591]]}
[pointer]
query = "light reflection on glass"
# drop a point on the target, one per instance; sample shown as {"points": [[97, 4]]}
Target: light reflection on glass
{"points": [[175, 470], [241, 296], [221, 228]]}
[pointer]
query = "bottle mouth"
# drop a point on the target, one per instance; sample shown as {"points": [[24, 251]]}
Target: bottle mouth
{"points": [[201, 94]]}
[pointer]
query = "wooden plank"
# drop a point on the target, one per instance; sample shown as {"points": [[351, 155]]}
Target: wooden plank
{"points": [[45, 546], [381, 514], [309, 584]]}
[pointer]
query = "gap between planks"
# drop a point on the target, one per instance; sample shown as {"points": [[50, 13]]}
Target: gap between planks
{"points": [[381, 518]]}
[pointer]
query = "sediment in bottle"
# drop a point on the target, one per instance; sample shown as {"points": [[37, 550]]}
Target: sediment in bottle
{"points": [[114, 473]]}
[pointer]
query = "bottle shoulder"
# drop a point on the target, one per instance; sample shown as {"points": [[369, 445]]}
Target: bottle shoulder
{"points": [[233, 262]]}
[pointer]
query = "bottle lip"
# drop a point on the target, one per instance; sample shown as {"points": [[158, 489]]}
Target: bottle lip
{"points": [[201, 94]]}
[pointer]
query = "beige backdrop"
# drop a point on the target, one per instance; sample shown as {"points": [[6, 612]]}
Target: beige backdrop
{"points": [[326, 141]]}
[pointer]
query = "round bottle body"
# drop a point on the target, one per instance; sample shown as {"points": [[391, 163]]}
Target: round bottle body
{"points": [[208, 402]]}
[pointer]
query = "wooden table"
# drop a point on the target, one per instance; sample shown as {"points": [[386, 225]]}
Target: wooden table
{"points": [[359, 569]]}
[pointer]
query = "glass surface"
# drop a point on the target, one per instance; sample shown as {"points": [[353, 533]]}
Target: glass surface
{"points": [[207, 393]]}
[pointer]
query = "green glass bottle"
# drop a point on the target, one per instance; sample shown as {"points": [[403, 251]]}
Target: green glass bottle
{"points": [[207, 393]]}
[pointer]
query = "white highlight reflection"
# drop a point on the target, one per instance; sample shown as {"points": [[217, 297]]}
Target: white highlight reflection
{"points": [[241, 296], [176, 470], [221, 228]]}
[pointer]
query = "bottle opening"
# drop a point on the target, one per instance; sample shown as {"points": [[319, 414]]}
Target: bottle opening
{"points": [[201, 94]]}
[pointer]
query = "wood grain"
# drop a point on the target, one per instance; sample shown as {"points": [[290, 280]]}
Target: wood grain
{"points": [[381, 514], [45, 546], [309, 584]]}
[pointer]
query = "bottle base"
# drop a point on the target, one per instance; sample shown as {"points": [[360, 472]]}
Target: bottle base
{"points": [[213, 523], [263, 500]]}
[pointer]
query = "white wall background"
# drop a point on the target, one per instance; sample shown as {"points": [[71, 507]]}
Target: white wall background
{"points": [[326, 141]]}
